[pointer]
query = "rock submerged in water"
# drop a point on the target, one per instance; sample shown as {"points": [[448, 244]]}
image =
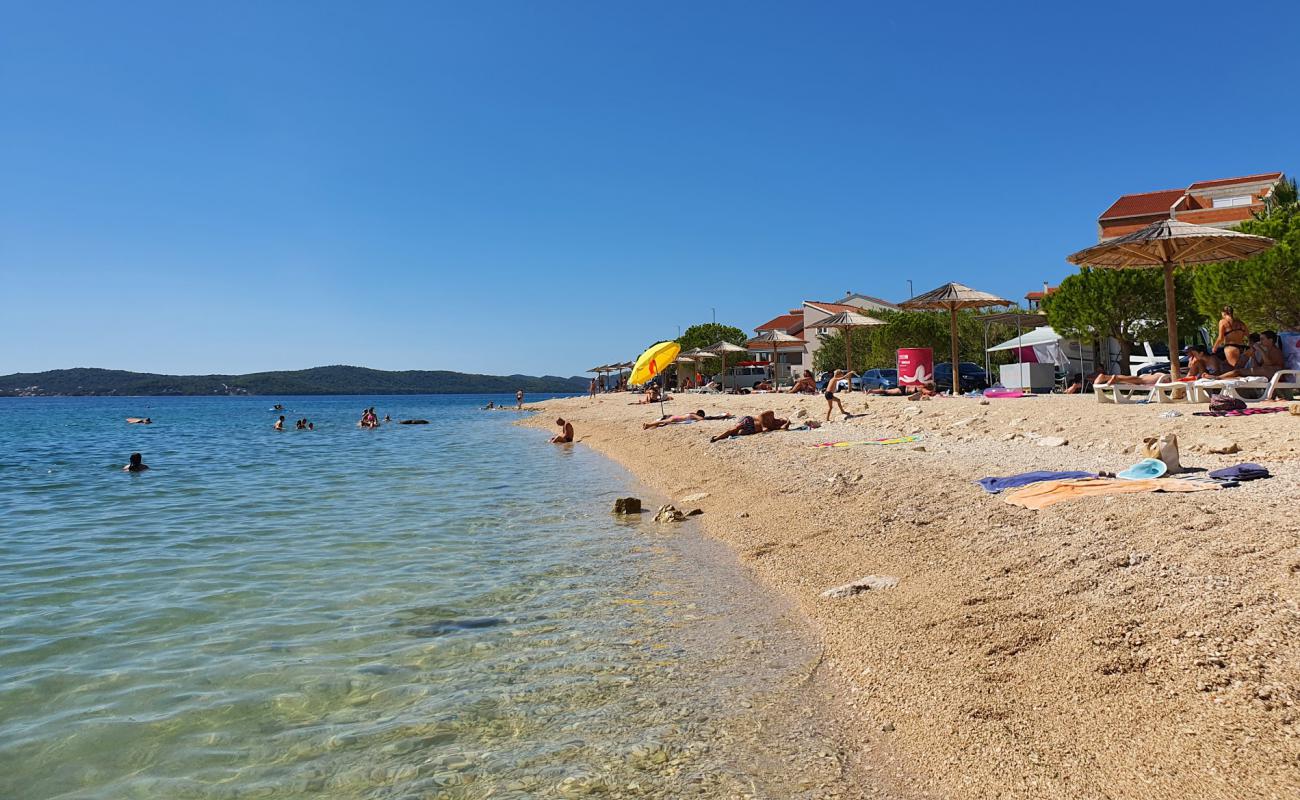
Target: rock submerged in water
{"points": [[669, 513], [868, 583], [627, 505]]}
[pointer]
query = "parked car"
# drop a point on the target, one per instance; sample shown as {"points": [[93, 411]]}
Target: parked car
{"points": [[1163, 366], [880, 379], [973, 377], [746, 377]]}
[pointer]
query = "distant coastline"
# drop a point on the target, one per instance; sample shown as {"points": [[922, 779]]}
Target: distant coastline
{"points": [[91, 382]]}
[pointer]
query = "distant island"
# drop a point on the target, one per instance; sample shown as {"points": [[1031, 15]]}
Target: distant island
{"points": [[317, 380]]}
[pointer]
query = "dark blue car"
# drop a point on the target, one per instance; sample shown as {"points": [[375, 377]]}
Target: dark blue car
{"points": [[880, 379], [973, 377]]}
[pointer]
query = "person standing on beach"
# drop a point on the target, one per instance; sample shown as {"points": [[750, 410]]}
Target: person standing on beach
{"points": [[519, 398], [593, 387]]}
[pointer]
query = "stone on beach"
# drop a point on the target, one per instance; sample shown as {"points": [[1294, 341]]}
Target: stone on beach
{"points": [[669, 513], [1052, 441], [867, 583], [627, 505], [1219, 444]]}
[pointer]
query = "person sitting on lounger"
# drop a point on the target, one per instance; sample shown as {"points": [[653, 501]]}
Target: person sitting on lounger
{"points": [[806, 384], [1201, 364], [1262, 360], [1150, 379], [566, 432]]}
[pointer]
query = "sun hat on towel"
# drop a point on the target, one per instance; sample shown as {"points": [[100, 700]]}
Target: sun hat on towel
{"points": [[1145, 469]]}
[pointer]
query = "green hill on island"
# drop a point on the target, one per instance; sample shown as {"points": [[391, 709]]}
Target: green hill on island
{"points": [[317, 380]]}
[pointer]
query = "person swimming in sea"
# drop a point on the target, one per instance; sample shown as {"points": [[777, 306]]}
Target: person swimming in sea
{"points": [[279, 423], [135, 464], [138, 421], [566, 432]]}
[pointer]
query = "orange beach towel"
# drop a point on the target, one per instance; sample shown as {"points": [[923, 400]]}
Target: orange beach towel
{"points": [[1047, 493]]}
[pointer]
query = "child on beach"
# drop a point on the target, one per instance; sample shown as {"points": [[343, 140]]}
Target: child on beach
{"points": [[832, 386]]}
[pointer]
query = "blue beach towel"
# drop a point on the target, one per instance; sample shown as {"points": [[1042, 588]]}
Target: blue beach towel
{"points": [[996, 485], [1241, 472]]}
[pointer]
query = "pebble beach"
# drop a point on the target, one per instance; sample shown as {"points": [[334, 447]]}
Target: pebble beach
{"points": [[1134, 646]]}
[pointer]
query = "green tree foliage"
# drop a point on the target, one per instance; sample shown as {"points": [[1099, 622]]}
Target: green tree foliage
{"points": [[1127, 305], [878, 346], [709, 333], [1264, 291]]}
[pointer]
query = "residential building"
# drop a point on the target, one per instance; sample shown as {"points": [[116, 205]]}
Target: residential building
{"points": [[1034, 300], [801, 322], [1220, 203]]}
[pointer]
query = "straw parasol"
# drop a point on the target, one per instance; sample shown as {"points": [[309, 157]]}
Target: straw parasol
{"points": [[954, 297], [1169, 243], [701, 355], [774, 341], [721, 349], [685, 358], [846, 320]]}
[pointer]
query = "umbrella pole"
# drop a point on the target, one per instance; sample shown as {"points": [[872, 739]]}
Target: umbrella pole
{"points": [[1171, 317], [956, 367], [848, 355]]}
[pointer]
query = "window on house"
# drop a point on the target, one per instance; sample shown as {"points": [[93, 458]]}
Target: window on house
{"points": [[821, 332], [1232, 202]]}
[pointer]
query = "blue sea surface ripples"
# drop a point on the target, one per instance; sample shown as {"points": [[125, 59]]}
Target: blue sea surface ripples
{"points": [[425, 611]]}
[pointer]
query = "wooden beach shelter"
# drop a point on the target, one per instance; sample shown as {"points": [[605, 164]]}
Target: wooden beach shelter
{"points": [[846, 321], [701, 355], [775, 342], [721, 349], [684, 358], [1170, 243], [953, 297]]}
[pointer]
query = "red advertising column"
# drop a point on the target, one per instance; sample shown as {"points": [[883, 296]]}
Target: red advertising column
{"points": [[915, 366]]}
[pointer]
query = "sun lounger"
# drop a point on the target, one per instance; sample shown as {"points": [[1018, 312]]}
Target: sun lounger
{"points": [[1203, 391], [1282, 379]]}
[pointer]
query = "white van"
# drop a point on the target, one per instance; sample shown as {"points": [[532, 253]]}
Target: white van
{"points": [[746, 377]]}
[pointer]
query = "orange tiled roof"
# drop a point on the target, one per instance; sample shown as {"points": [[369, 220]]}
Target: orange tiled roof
{"points": [[833, 308], [1267, 176], [1137, 205], [782, 323]]}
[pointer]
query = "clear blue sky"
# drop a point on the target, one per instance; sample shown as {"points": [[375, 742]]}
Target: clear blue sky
{"points": [[539, 187]]}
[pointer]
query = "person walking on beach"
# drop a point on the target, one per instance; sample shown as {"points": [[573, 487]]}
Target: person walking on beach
{"points": [[832, 386], [136, 464], [593, 387], [519, 398], [566, 432]]}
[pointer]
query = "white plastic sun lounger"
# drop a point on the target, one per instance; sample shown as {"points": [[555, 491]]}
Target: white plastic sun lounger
{"points": [[1282, 379], [1203, 391], [1172, 392]]}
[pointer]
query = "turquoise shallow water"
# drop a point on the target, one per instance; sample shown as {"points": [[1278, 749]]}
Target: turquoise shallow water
{"points": [[418, 611]]}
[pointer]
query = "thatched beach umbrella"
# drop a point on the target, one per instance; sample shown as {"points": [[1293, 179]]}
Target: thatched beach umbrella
{"points": [[701, 355], [1169, 243], [721, 349], [954, 297], [774, 341], [846, 321]]}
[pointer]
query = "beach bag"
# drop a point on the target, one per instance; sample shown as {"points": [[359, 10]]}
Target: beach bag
{"points": [[1222, 403], [1294, 408], [1163, 447]]}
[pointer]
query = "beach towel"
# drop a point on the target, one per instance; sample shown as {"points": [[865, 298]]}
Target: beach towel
{"points": [[1000, 394], [1042, 495], [1241, 412], [895, 440], [995, 485], [1241, 472]]}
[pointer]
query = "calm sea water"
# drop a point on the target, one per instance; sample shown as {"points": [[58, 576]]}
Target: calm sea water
{"points": [[440, 611]]}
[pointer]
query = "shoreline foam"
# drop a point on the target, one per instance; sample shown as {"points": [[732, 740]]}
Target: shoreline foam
{"points": [[1130, 647]]}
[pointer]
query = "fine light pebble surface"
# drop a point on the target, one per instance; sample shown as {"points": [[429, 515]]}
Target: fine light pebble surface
{"points": [[1138, 646]]}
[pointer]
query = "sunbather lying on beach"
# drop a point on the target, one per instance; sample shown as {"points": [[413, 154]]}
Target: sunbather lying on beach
{"points": [[1150, 379], [748, 426], [763, 386], [694, 416]]}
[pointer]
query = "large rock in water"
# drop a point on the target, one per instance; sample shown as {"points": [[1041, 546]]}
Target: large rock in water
{"points": [[669, 514], [869, 583], [627, 505]]}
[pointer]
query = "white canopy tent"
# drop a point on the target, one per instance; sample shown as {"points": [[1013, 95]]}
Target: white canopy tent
{"points": [[1045, 342]]}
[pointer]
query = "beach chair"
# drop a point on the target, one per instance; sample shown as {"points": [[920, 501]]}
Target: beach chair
{"points": [[1121, 393], [1282, 379], [1204, 390], [1171, 392]]}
